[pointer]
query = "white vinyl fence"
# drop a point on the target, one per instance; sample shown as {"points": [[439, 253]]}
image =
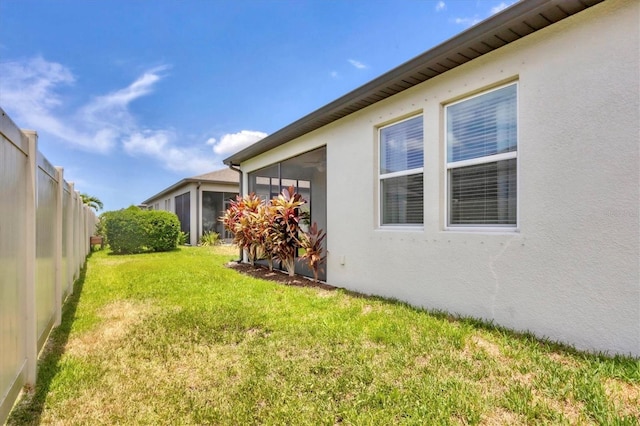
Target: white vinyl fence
{"points": [[44, 241]]}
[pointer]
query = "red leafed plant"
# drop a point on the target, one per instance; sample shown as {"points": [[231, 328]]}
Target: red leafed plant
{"points": [[311, 243], [242, 218], [272, 230], [265, 226], [285, 227]]}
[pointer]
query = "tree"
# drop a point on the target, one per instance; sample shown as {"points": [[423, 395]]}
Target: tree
{"points": [[91, 201]]}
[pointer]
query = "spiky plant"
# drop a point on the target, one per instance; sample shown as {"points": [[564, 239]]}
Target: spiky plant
{"points": [[311, 243], [265, 225], [210, 238], [285, 227], [242, 219]]}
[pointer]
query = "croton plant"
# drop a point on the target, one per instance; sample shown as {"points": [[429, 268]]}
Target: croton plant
{"points": [[273, 230]]}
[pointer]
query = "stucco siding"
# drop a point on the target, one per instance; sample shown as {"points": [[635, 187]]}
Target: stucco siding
{"points": [[570, 271], [195, 203]]}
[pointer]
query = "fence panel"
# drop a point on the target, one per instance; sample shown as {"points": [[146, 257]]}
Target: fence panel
{"points": [[44, 241], [46, 298], [13, 202]]}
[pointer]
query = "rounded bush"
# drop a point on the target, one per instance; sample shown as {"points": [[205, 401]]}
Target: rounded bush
{"points": [[162, 230], [135, 231], [124, 231]]}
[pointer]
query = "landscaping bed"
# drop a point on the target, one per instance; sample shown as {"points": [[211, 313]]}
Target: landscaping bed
{"points": [[262, 272]]}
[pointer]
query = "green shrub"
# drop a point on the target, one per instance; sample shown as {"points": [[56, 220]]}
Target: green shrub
{"points": [[125, 231], [101, 226], [210, 239], [162, 230], [183, 238], [135, 231]]}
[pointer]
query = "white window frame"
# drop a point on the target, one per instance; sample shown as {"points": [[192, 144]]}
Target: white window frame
{"points": [[482, 160], [408, 172]]}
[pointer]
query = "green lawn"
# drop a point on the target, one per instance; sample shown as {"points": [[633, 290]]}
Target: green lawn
{"points": [[176, 338]]}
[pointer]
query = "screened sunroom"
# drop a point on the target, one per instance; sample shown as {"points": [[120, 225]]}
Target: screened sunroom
{"points": [[308, 175]]}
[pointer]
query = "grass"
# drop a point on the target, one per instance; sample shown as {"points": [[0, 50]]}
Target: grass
{"points": [[176, 338]]}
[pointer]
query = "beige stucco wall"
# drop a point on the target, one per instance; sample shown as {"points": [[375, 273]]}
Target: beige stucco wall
{"points": [[571, 270]]}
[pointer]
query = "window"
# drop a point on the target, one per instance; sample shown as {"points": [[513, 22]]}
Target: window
{"points": [[401, 173], [482, 148]]}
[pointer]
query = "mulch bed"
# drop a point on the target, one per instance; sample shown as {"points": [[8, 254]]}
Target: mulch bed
{"points": [[281, 277]]}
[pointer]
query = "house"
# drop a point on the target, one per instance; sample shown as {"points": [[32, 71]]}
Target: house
{"points": [[198, 201], [494, 176]]}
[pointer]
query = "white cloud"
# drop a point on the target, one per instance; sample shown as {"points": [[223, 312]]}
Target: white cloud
{"points": [[234, 142], [468, 22], [440, 6], [160, 145], [35, 78], [141, 87], [147, 142], [30, 93], [113, 108], [189, 160], [499, 8], [334, 74], [358, 64]]}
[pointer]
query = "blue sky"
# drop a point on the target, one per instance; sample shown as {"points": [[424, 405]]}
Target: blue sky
{"points": [[130, 96]]}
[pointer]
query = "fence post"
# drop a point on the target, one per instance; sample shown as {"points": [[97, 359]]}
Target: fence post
{"points": [[69, 238], [58, 245], [73, 259], [31, 329], [78, 242]]}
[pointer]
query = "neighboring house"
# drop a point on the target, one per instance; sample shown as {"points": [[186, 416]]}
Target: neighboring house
{"points": [[198, 201], [494, 176]]}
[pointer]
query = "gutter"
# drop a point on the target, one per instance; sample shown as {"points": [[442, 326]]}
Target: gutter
{"points": [[198, 213], [490, 34], [235, 169], [231, 166]]}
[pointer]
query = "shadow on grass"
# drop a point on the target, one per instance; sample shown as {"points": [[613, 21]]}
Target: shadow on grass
{"points": [[29, 410]]}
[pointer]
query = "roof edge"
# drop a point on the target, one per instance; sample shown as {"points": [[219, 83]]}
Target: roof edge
{"points": [[184, 182], [308, 123]]}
